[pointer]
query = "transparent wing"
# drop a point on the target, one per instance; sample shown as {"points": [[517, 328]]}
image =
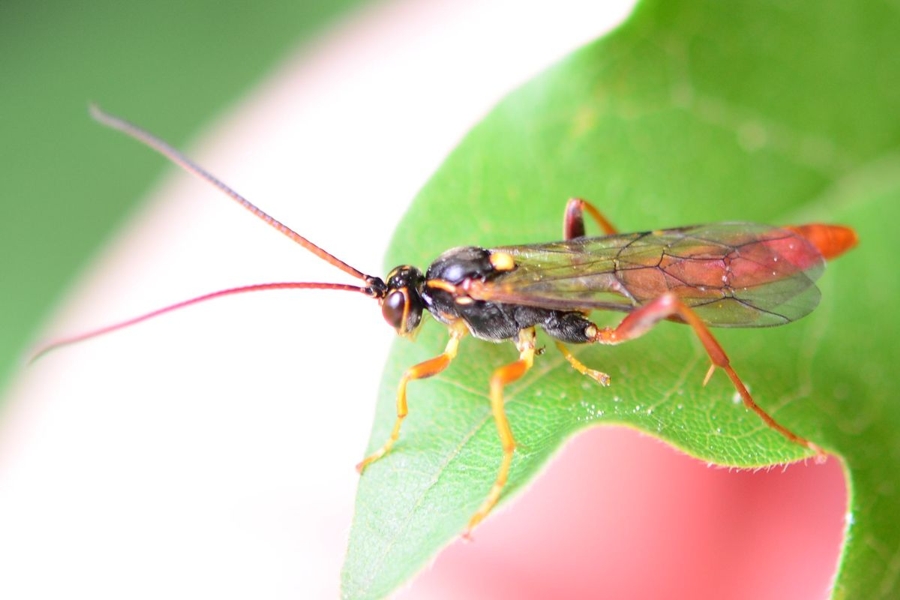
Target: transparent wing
{"points": [[731, 274]]}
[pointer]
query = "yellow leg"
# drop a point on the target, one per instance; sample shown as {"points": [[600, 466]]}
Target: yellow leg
{"points": [[501, 377], [420, 371], [598, 376]]}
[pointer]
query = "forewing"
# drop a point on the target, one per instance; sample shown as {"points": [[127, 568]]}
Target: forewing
{"points": [[737, 274], [731, 274], [576, 274]]}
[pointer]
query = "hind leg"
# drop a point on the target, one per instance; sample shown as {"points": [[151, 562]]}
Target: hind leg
{"points": [[575, 328], [667, 306], [573, 221]]}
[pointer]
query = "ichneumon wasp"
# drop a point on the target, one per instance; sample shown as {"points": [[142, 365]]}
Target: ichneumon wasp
{"points": [[715, 275]]}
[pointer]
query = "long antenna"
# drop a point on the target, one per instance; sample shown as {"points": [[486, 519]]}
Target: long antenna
{"points": [[148, 139], [374, 288], [259, 287]]}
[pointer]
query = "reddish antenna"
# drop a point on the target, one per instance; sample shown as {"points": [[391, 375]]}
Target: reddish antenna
{"points": [[148, 139], [374, 287]]}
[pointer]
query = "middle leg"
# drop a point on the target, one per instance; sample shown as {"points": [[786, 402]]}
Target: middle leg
{"points": [[598, 376], [501, 377]]}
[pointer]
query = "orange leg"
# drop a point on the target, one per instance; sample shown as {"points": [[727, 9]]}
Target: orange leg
{"points": [[598, 376], [573, 222], [420, 371], [668, 305], [501, 377]]}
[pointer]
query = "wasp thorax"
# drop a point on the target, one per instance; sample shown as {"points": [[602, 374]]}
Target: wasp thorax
{"points": [[402, 305], [458, 264]]}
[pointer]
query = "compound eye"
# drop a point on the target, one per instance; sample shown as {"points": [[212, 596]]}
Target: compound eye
{"points": [[394, 307]]}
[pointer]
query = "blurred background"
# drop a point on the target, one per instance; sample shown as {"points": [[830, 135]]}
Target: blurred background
{"points": [[180, 458], [181, 63]]}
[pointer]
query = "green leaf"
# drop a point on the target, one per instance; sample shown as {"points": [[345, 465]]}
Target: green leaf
{"points": [[691, 112]]}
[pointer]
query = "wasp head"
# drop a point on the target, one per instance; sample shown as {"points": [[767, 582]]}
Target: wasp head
{"points": [[402, 304]]}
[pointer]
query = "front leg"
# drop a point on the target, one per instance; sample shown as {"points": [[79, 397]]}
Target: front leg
{"points": [[422, 370]]}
